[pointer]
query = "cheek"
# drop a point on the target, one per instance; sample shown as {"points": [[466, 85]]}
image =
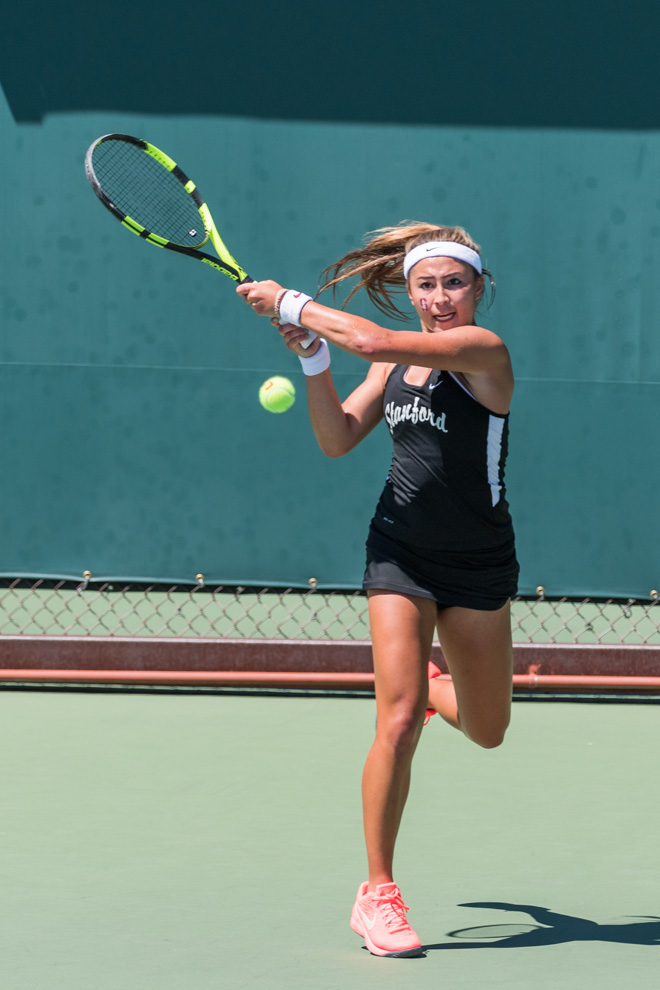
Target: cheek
{"points": [[423, 305], [470, 300]]}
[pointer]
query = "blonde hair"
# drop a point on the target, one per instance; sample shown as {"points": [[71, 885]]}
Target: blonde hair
{"points": [[379, 263]]}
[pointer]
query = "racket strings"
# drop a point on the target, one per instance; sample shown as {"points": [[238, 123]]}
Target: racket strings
{"points": [[148, 193]]}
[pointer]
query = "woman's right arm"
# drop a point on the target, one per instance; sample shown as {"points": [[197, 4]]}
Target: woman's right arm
{"points": [[339, 426]]}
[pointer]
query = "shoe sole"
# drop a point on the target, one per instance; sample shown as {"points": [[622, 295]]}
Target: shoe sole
{"points": [[375, 951]]}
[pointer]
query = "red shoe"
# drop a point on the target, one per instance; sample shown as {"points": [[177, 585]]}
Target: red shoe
{"points": [[433, 672], [380, 918]]}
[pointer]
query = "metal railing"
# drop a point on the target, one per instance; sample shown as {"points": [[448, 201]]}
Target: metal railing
{"points": [[47, 607]]}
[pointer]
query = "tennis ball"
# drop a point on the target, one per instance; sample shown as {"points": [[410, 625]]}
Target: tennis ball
{"points": [[277, 394]]}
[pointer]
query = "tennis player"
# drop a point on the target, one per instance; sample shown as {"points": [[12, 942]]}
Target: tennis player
{"points": [[440, 548]]}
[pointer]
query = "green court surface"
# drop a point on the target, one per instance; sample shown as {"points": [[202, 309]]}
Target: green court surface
{"points": [[197, 841]]}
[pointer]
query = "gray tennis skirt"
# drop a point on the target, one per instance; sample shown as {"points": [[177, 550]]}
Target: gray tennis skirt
{"points": [[478, 579]]}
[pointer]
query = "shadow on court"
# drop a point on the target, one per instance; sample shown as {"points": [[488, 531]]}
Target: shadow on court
{"points": [[550, 928]]}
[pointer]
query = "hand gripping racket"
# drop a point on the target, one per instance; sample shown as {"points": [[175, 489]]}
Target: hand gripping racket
{"points": [[150, 195]]}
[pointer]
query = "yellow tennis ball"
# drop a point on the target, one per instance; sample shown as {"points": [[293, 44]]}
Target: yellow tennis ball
{"points": [[277, 394]]}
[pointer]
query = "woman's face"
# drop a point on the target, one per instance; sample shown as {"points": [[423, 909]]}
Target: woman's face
{"points": [[444, 292]]}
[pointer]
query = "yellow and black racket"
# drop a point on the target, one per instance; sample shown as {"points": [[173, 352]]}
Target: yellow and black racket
{"points": [[148, 192]]}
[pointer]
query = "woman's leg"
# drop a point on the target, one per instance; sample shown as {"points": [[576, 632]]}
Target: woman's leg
{"points": [[478, 651], [402, 629]]}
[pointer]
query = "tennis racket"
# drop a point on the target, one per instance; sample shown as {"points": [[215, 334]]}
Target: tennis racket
{"points": [[149, 194]]}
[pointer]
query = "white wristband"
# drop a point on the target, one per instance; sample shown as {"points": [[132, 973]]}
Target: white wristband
{"points": [[318, 362], [291, 306]]}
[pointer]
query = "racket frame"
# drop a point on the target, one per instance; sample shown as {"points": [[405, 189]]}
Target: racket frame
{"points": [[224, 263]]}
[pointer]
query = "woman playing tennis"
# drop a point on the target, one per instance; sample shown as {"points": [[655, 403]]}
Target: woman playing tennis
{"points": [[440, 549]]}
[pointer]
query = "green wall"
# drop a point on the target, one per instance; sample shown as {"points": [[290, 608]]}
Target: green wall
{"points": [[133, 444]]}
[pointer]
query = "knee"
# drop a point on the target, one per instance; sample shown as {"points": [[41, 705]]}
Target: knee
{"points": [[400, 728], [487, 736], [490, 740]]}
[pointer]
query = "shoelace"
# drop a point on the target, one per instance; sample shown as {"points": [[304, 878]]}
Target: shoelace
{"points": [[394, 910]]}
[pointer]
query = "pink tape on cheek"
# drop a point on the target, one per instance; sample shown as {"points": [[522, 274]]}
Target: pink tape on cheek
{"points": [[423, 304]]}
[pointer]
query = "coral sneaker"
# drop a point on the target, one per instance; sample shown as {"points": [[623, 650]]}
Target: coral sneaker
{"points": [[380, 918], [433, 672]]}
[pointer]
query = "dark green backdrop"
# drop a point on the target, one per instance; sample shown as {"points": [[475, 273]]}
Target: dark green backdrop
{"points": [[133, 444]]}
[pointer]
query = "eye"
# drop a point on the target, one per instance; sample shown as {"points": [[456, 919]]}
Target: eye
{"points": [[426, 285]]}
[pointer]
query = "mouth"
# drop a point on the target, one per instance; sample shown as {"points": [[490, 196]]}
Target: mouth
{"points": [[443, 317]]}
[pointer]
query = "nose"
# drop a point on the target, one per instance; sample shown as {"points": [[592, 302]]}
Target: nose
{"points": [[440, 295]]}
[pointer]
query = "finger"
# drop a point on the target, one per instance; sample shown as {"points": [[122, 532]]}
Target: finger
{"points": [[310, 350], [291, 334], [294, 340]]}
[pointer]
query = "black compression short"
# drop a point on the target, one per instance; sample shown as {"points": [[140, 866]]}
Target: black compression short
{"points": [[478, 579]]}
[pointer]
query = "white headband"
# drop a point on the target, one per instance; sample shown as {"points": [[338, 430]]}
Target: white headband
{"points": [[441, 249]]}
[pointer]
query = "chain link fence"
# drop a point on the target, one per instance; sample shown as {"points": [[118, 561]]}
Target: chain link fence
{"points": [[49, 607]]}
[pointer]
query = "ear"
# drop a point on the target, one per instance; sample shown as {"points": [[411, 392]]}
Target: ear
{"points": [[479, 288]]}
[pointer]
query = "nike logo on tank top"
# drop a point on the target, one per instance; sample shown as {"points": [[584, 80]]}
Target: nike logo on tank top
{"points": [[445, 489]]}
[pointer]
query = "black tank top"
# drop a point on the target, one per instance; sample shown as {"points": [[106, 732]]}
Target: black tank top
{"points": [[445, 489]]}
